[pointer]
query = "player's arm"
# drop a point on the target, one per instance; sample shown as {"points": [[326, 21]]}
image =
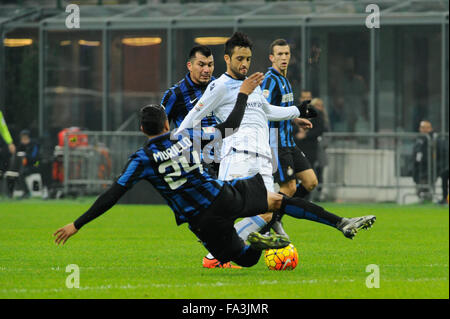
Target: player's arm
{"points": [[103, 203], [130, 175], [235, 118], [205, 105], [278, 113], [270, 95], [303, 123], [271, 92], [4, 132], [169, 102]]}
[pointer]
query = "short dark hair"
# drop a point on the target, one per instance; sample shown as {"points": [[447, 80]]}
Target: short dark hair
{"points": [[203, 49], [25, 132], [152, 118], [280, 42], [238, 39]]}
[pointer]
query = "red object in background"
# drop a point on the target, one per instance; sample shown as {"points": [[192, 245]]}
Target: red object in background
{"points": [[58, 171], [75, 138]]}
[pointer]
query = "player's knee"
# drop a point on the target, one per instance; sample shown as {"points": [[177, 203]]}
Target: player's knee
{"points": [[310, 184], [289, 188], [248, 259]]}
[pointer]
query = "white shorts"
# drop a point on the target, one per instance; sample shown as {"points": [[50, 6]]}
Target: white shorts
{"points": [[239, 164]]}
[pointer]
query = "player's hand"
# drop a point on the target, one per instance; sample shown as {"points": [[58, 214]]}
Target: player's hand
{"points": [[251, 83], [303, 123], [65, 233], [301, 133], [306, 110], [12, 148]]}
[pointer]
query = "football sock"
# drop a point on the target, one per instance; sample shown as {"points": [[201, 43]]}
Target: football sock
{"points": [[249, 225], [301, 191], [303, 209], [275, 217]]}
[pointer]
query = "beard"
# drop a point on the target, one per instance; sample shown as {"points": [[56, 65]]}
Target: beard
{"points": [[204, 82], [237, 74], [201, 81]]}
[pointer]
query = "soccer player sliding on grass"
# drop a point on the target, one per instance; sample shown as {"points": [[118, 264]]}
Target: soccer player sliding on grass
{"points": [[209, 206]]}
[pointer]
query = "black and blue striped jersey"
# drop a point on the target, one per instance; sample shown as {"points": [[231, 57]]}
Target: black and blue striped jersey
{"points": [[172, 165], [278, 91], [181, 98]]}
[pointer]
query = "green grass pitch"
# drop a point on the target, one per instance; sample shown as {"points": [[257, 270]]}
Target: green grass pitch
{"points": [[136, 251]]}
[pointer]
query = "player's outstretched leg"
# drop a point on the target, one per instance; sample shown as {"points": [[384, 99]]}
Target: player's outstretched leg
{"points": [[252, 252], [350, 226], [243, 229], [303, 209], [258, 242]]}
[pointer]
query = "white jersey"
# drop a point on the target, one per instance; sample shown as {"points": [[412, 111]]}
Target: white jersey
{"points": [[253, 134]]}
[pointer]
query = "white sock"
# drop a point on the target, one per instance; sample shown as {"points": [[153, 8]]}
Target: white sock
{"points": [[245, 227], [249, 225]]}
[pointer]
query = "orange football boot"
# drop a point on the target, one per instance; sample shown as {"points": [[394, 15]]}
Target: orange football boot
{"points": [[214, 263]]}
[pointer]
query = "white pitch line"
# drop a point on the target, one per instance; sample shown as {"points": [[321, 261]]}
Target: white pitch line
{"points": [[216, 284]]}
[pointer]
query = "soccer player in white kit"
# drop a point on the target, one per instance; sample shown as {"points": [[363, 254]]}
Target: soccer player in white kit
{"points": [[247, 151]]}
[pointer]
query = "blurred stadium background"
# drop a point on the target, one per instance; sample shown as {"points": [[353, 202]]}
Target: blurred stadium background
{"points": [[377, 84]]}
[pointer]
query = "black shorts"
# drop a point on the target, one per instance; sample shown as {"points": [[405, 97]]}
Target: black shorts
{"points": [[214, 227], [290, 160]]}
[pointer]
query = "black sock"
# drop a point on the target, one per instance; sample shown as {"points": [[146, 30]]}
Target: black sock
{"points": [[279, 214], [275, 216], [301, 191], [303, 209]]}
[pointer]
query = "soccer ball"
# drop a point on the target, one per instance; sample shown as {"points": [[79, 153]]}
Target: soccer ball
{"points": [[281, 259]]}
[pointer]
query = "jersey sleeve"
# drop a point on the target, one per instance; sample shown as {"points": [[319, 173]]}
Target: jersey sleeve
{"points": [[168, 101], [270, 91], [103, 203], [209, 101], [133, 172], [279, 113]]}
